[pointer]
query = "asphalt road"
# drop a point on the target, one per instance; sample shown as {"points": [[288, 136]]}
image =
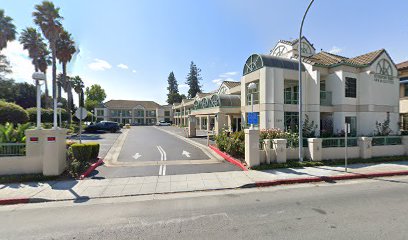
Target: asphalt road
{"points": [[364, 209], [106, 140], [148, 151]]}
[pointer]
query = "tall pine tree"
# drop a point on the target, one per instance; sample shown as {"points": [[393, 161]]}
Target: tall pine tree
{"points": [[193, 80], [173, 96]]}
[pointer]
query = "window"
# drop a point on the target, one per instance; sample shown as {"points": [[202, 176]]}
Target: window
{"points": [[291, 121], [406, 90], [151, 113], [99, 112], [291, 95], [167, 113], [351, 87], [255, 92], [139, 113]]}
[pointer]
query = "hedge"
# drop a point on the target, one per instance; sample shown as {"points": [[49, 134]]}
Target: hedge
{"points": [[12, 113], [85, 152], [46, 115]]}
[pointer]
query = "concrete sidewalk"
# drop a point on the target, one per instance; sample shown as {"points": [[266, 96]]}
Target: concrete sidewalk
{"points": [[81, 190]]}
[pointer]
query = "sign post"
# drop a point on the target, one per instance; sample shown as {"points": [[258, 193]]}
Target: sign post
{"points": [[252, 118], [81, 114]]}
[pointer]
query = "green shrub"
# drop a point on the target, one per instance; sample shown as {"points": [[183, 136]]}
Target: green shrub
{"points": [[231, 143], [94, 150], [46, 115], [11, 134], [81, 152], [12, 113], [76, 168]]}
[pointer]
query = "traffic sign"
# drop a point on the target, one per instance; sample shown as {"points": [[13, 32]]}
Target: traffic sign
{"points": [[81, 114], [253, 118]]}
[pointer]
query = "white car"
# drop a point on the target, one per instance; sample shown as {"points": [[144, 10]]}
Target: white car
{"points": [[163, 123]]}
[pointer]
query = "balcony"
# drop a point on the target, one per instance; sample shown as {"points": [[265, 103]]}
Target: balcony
{"points": [[290, 97], [325, 98]]}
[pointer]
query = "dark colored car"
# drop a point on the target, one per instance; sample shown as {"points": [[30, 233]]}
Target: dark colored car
{"points": [[105, 126]]}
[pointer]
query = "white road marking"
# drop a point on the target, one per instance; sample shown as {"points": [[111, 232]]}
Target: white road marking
{"points": [[163, 157], [185, 153], [137, 155]]}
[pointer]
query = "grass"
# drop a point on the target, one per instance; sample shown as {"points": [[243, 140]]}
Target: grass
{"points": [[337, 162]]}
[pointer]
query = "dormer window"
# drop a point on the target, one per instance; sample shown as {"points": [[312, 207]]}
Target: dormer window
{"points": [[279, 51]]}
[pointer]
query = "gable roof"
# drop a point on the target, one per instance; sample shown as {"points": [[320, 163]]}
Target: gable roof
{"points": [[130, 104], [230, 84], [293, 42], [402, 66]]}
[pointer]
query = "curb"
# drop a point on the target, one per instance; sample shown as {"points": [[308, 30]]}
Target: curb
{"points": [[12, 201], [229, 158], [91, 168], [328, 178]]}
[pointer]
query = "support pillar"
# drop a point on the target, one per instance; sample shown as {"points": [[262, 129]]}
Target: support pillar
{"points": [[192, 126], [405, 143], [279, 146], [252, 157], [366, 148], [230, 120], [208, 123], [220, 122]]}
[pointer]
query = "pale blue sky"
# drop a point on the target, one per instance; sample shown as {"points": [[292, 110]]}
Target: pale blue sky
{"points": [[152, 38]]}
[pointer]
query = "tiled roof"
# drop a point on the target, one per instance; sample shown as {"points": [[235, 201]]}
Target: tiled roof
{"points": [[402, 66], [293, 42], [330, 60], [130, 104], [231, 84], [203, 94]]}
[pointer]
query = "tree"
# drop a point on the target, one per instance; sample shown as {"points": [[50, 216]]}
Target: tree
{"points": [[43, 62], [7, 30], [4, 66], [94, 96], [23, 94], [65, 51], [12, 113], [173, 96], [78, 86], [66, 84], [32, 41], [47, 17], [193, 80]]}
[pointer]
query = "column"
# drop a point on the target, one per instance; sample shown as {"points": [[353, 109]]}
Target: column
{"points": [[208, 123], [230, 120], [191, 126], [252, 157], [315, 148], [220, 122], [366, 148]]}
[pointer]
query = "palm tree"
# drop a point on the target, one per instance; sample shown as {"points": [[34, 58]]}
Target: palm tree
{"points": [[66, 84], [78, 86], [47, 17], [7, 30], [43, 62], [65, 51]]}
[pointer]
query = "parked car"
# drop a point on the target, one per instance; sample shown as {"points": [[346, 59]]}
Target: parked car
{"points": [[163, 123], [106, 126]]}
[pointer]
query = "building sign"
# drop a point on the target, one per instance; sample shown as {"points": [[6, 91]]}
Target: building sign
{"points": [[253, 118], [383, 78]]}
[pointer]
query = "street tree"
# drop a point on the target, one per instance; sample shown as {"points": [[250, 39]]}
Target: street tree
{"points": [[7, 30], [94, 96], [5, 67], [47, 17], [193, 80], [173, 96]]}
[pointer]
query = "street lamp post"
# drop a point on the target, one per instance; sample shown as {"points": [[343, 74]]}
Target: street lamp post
{"points": [[300, 86], [38, 77], [252, 87]]}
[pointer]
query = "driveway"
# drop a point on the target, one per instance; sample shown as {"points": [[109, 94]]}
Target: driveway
{"points": [[153, 151]]}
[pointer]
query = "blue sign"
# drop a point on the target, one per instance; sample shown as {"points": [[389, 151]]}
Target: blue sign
{"points": [[253, 118]]}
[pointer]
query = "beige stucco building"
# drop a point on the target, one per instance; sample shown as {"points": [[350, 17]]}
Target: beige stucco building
{"points": [[134, 112], [403, 75], [361, 90]]}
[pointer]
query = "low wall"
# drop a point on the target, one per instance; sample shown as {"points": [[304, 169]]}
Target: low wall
{"points": [[339, 153], [389, 150], [20, 165]]}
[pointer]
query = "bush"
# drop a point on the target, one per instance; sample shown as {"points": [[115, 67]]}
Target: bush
{"points": [[81, 152], [12, 113], [46, 115], [11, 134], [231, 143], [94, 150]]}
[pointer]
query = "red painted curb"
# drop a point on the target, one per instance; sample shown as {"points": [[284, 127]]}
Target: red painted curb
{"points": [[328, 178], [91, 168], [229, 158], [14, 201]]}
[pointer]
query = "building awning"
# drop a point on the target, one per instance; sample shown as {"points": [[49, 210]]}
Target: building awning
{"points": [[258, 61]]}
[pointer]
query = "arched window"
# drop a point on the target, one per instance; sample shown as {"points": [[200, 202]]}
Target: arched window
{"points": [[279, 51], [223, 90], [306, 49], [384, 67], [253, 63]]}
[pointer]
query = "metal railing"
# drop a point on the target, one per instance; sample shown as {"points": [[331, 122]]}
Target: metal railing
{"points": [[325, 98], [290, 97], [339, 142], [386, 140], [12, 149]]}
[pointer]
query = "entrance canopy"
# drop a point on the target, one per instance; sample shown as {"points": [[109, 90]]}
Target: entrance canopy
{"points": [[217, 103]]}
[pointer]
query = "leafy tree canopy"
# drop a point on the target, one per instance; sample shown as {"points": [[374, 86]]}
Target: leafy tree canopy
{"points": [[94, 96]]}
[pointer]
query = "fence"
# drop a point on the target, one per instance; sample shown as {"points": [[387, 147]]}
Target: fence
{"points": [[12, 149], [339, 142], [388, 140]]}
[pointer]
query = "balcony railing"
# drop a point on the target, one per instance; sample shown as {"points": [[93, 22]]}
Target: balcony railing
{"points": [[325, 98], [290, 97]]}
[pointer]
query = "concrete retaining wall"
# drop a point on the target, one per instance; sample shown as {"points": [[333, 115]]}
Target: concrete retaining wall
{"points": [[19, 165], [390, 150]]}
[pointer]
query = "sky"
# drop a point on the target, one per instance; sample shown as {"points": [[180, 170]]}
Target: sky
{"points": [[129, 47]]}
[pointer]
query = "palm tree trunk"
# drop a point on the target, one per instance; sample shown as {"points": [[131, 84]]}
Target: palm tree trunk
{"points": [[47, 94], [54, 81], [69, 92]]}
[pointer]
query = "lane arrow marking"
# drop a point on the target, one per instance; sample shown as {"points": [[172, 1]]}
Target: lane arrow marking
{"points": [[185, 153], [137, 155]]}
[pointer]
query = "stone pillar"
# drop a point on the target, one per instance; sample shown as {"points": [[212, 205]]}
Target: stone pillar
{"points": [[200, 123], [55, 152], [268, 150], [219, 123], [252, 157], [230, 119], [35, 148], [405, 143], [208, 123], [315, 148], [279, 146], [366, 148], [191, 126]]}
